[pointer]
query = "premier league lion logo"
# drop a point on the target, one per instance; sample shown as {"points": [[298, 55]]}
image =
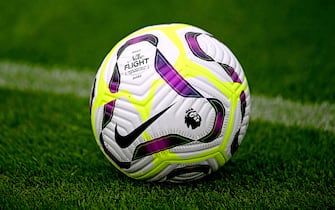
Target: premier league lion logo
{"points": [[192, 118]]}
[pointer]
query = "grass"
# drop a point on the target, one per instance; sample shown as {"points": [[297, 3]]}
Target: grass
{"points": [[292, 41], [49, 159], [48, 156]]}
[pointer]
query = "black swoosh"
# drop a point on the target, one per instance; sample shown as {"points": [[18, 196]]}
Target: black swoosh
{"points": [[125, 141]]}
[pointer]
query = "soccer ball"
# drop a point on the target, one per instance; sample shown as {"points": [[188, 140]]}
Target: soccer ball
{"points": [[169, 103]]}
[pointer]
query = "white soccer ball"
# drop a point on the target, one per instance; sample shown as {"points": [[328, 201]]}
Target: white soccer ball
{"points": [[169, 103]]}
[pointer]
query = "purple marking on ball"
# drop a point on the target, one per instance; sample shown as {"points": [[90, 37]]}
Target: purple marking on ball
{"points": [[218, 123], [219, 117], [158, 145], [108, 112], [115, 80], [146, 37], [191, 39], [173, 78], [234, 75], [231, 72], [109, 107]]}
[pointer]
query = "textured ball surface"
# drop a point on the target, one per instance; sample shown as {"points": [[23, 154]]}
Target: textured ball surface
{"points": [[169, 103]]}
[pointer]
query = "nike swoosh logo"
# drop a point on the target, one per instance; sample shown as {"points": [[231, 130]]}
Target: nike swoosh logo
{"points": [[125, 141]]}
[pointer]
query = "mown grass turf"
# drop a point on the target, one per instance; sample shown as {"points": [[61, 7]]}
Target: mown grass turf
{"points": [[49, 159], [286, 47], [48, 156]]}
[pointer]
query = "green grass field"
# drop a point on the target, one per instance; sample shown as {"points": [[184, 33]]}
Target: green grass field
{"points": [[50, 51]]}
